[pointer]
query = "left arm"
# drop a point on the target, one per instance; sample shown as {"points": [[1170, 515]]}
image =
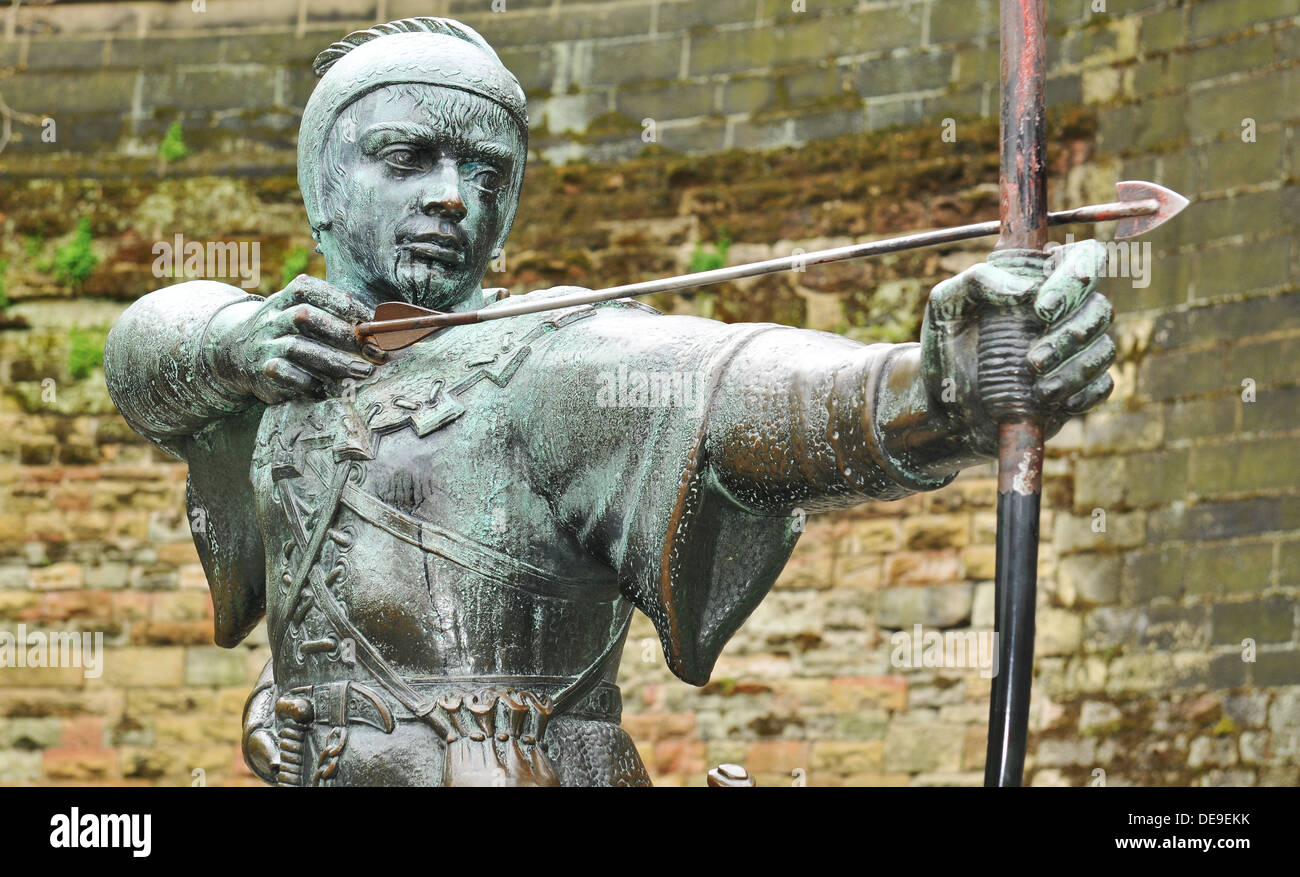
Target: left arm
{"points": [[815, 421]]}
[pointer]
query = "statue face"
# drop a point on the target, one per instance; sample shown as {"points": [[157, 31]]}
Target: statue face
{"points": [[422, 191]]}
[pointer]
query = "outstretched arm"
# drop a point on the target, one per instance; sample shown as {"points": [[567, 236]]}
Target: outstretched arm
{"points": [[815, 421]]}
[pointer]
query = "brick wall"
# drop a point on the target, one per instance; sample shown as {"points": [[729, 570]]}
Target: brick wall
{"points": [[836, 116]]}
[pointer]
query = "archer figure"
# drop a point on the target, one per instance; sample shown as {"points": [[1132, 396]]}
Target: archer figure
{"points": [[447, 544]]}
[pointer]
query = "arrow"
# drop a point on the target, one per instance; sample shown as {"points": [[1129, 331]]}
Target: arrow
{"points": [[1141, 207]]}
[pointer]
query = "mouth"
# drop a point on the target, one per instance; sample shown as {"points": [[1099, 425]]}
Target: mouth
{"points": [[433, 247]]}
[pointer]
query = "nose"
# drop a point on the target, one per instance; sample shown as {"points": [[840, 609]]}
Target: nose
{"points": [[441, 193]]}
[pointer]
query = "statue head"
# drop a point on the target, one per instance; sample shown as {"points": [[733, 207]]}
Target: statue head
{"points": [[410, 159]]}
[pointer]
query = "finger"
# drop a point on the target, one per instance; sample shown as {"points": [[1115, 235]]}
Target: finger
{"points": [[325, 362], [1072, 280], [314, 322], [1077, 372], [282, 374], [980, 284], [305, 289], [1072, 334], [1090, 396]]}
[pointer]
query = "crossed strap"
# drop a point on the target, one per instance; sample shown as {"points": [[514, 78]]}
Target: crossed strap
{"points": [[367, 655]]}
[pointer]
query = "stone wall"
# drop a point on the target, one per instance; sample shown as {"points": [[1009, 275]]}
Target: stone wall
{"points": [[1172, 520]]}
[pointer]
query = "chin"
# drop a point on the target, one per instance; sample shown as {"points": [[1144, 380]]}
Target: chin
{"points": [[431, 285]]}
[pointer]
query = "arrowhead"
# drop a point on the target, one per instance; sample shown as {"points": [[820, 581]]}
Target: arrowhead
{"points": [[1171, 204]]}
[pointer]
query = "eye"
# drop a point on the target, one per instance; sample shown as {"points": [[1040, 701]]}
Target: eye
{"points": [[402, 158], [484, 176]]}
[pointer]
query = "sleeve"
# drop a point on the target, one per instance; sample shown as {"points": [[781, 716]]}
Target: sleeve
{"points": [[159, 381], [651, 439], [154, 367], [810, 420]]}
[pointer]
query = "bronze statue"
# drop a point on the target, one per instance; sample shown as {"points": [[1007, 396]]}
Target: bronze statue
{"points": [[447, 541]]}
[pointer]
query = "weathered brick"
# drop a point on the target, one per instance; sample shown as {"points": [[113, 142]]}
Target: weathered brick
{"points": [[978, 18], [1219, 110], [726, 50], [1143, 126], [1083, 532], [19, 766], [915, 747], [215, 666], [1217, 17], [1169, 375], [59, 576], [29, 733], [1112, 429], [778, 756], [1239, 568], [1105, 41], [85, 91], [80, 764], [1288, 567], [747, 94], [208, 90], [1089, 580], [1264, 621], [143, 667], [921, 532], [1157, 671], [1235, 162], [1275, 409], [832, 123], [1173, 627], [1150, 574], [679, 100], [848, 756], [922, 567], [679, 15], [1057, 632], [1254, 213], [1232, 321], [1227, 671], [656, 58], [934, 606], [1265, 362], [533, 67], [899, 73], [1243, 268], [1162, 30], [65, 54], [1276, 668], [1224, 520], [1244, 466], [545, 26], [1198, 418]]}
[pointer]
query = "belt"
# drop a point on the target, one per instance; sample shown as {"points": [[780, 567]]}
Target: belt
{"points": [[347, 702]]}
